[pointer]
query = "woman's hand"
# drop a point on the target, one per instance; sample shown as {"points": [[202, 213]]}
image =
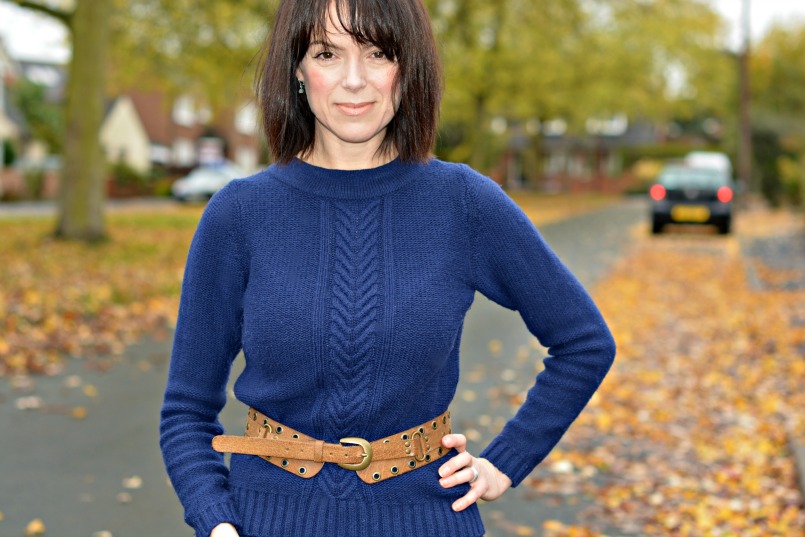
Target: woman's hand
{"points": [[490, 484], [224, 529]]}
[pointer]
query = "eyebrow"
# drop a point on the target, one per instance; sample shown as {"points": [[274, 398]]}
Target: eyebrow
{"points": [[325, 44], [331, 45]]}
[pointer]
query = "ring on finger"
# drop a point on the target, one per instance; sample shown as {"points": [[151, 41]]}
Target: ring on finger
{"points": [[474, 474]]}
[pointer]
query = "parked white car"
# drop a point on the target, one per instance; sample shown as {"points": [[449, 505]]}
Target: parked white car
{"points": [[204, 181]]}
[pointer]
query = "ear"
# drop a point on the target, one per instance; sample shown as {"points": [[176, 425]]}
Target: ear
{"points": [[298, 73]]}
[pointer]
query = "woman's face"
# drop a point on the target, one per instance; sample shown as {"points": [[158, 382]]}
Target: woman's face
{"points": [[350, 89]]}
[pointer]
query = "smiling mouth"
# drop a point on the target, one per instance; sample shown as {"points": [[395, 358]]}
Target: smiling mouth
{"points": [[354, 109]]}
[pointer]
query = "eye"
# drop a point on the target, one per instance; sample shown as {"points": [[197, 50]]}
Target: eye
{"points": [[379, 55], [324, 55]]}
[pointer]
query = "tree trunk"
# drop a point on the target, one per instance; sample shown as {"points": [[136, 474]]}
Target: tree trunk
{"points": [[81, 199]]}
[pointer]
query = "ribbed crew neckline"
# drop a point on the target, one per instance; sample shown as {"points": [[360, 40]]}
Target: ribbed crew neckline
{"points": [[346, 184]]}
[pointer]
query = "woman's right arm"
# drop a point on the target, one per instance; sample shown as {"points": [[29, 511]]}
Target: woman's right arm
{"points": [[206, 341]]}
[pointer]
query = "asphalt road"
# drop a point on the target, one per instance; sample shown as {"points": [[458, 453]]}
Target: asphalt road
{"points": [[86, 461]]}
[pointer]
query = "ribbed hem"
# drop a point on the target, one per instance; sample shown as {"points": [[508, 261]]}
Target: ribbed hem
{"points": [[268, 514], [218, 513], [346, 184], [508, 461]]}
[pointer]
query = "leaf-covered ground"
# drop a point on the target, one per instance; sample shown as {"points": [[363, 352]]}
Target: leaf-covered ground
{"points": [[690, 434], [60, 299]]}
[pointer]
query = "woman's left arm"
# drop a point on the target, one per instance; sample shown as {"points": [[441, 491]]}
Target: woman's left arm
{"points": [[513, 265]]}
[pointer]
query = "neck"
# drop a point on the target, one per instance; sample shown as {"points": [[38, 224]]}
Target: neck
{"points": [[345, 156]]}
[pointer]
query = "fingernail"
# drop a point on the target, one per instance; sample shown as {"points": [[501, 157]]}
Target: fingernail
{"points": [[442, 471]]}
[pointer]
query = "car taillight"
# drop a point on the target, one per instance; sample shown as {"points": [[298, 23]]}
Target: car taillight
{"points": [[724, 194], [657, 192]]}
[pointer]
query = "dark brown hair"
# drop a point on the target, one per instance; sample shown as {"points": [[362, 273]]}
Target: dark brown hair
{"points": [[400, 28]]}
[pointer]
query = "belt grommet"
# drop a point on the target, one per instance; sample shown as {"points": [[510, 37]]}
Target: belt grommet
{"points": [[421, 430], [412, 464], [427, 458], [394, 470], [302, 470], [404, 436], [434, 424], [278, 429], [254, 416], [284, 463], [440, 451], [376, 476], [386, 441], [295, 436]]}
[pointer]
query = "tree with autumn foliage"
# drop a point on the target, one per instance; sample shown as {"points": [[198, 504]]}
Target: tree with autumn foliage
{"points": [[199, 46], [778, 76]]}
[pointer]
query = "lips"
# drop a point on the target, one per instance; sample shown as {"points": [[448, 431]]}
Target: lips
{"points": [[354, 109]]}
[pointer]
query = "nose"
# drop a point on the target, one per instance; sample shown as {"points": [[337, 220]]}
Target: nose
{"points": [[354, 74]]}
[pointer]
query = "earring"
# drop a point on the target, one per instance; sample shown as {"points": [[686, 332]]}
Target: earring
{"points": [[301, 87]]}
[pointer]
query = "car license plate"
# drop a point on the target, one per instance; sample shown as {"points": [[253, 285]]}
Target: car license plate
{"points": [[690, 213]]}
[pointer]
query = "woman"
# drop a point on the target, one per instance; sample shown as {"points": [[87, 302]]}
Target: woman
{"points": [[344, 272]]}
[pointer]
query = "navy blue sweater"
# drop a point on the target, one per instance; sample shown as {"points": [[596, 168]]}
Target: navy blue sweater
{"points": [[347, 291]]}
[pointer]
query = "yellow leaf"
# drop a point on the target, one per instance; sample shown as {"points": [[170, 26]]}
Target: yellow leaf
{"points": [[35, 527]]}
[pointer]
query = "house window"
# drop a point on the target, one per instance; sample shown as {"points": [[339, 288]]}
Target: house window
{"points": [[160, 154], [246, 119], [184, 152], [183, 111]]}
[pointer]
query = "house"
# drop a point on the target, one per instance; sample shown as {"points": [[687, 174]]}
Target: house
{"points": [[183, 132], [593, 161], [144, 129], [123, 135]]}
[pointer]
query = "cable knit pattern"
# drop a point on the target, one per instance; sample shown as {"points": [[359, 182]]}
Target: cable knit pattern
{"points": [[347, 292], [354, 311]]}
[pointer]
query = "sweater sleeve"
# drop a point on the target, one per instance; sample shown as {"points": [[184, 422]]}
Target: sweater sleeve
{"points": [[514, 267], [206, 341]]}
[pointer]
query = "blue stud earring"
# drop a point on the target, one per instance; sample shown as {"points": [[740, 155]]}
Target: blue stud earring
{"points": [[301, 87]]}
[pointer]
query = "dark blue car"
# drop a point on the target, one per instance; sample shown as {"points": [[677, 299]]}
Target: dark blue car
{"points": [[690, 195]]}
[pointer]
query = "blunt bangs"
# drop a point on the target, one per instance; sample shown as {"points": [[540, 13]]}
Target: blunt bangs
{"points": [[364, 20], [399, 28]]}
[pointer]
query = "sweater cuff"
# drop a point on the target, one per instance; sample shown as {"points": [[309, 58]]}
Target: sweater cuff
{"points": [[508, 460], [204, 521]]}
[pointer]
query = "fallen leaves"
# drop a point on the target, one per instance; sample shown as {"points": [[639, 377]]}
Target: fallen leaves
{"points": [[62, 299], [35, 527], [688, 434]]}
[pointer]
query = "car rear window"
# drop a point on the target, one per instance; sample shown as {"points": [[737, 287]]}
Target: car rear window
{"points": [[688, 178]]}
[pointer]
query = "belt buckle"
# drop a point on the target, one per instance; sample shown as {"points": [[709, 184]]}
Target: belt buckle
{"points": [[367, 453]]}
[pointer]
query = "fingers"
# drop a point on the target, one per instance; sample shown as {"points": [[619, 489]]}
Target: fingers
{"points": [[458, 441], [464, 475], [455, 464], [477, 490]]}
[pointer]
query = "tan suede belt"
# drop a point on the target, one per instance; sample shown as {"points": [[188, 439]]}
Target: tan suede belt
{"points": [[304, 456]]}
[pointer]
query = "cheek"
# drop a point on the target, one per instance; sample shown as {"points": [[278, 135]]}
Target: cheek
{"points": [[316, 82]]}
